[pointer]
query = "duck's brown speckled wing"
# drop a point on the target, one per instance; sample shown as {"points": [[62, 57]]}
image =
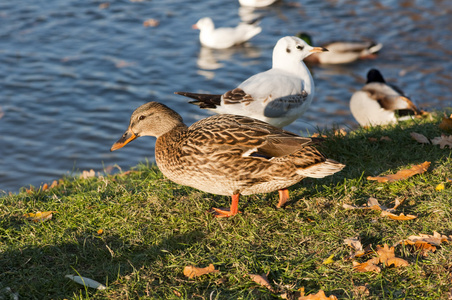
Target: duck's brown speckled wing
{"points": [[251, 136]]}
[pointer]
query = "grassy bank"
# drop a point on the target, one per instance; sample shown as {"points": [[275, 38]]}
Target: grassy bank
{"points": [[136, 232]]}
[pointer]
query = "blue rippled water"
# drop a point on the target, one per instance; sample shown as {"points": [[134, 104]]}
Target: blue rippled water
{"points": [[73, 71]]}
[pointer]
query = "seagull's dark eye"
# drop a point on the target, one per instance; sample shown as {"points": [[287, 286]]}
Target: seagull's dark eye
{"points": [[141, 118], [300, 47]]}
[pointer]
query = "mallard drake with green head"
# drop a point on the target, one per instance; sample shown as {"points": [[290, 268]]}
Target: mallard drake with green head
{"points": [[227, 154], [341, 52]]}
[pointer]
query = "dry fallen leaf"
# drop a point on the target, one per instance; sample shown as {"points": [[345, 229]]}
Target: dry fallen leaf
{"points": [[446, 124], [262, 280], [319, 296], [384, 253], [87, 174], [397, 262], [402, 174], [435, 239], [329, 260], [443, 141], [40, 216], [440, 187], [191, 271], [88, 282], [400, 217], [361, 290], [100, 231], [420, 138], [354, 243], [368, 266]]}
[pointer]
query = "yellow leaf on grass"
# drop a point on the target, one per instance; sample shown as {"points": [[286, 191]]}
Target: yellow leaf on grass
{"points": [[329, 260], [100, 231], [262, 280], [440, 187], [400, 217], [402, 174], [40, 216], [191, 271]]}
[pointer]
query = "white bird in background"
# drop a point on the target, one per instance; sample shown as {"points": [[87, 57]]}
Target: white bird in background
{"points": [[342, 52], [277, 96], [257, 3], [224, 37], [379, 103]]}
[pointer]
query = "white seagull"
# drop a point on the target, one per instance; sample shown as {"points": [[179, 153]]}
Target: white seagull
{"points": [[224, 37], [277, 96], [379, 103], [257, 3], [342, 52]]}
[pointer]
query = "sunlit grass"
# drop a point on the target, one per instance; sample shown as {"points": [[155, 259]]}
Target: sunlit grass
{"points": [[152, 228]]}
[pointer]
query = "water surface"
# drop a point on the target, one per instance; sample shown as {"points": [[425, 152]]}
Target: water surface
{"points": [[72, 72]]}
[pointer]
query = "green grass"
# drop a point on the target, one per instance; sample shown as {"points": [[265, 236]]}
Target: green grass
{"points": [[153, 228]]}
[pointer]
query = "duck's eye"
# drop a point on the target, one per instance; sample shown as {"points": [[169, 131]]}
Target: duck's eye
{"points": [[141, 118], [300, 47]]}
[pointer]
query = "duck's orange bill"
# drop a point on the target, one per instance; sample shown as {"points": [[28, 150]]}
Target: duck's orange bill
{"points": [[126, 138]]}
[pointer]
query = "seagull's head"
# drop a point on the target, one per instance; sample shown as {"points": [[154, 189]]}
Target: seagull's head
{"points": [[204, 23], [291, 49]]}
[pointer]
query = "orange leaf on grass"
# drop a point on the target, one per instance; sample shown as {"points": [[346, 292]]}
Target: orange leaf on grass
{"points": [[191, 271], [402, 174], [368, 266], [319, 296], [397, 262], [386, 255], [446, 124], [400, 217]]}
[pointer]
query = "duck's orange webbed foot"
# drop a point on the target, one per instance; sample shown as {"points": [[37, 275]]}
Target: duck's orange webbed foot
{"points": [[226, 213], [283, 197]]}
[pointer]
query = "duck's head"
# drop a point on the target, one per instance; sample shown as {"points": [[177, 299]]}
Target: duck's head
{"points": [[153, 119], [291, 49], [305, 37], [375, 76]]}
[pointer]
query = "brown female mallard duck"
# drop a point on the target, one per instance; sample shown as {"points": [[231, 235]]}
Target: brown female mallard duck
{"points": [[227, 154]]}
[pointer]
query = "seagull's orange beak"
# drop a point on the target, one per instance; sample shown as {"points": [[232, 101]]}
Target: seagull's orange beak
{"points": [[318, 49], [126, 138], [194, 26]]}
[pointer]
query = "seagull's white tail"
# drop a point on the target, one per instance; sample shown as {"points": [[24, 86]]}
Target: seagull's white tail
{"points": [[320, 170]]}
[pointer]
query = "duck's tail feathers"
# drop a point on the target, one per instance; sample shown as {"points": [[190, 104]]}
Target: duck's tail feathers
{"points": [[320, 170], [372, 49], [208, 101]]}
